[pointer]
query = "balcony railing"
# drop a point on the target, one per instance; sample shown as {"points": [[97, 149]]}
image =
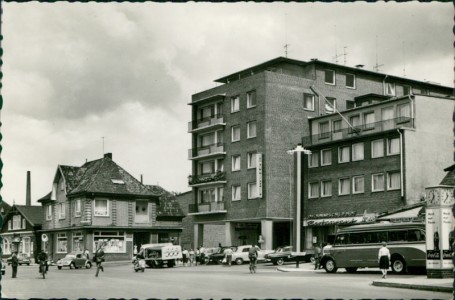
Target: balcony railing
{"points": [[206, 178], [358, 130], [207, 207], [217, 148], [206, 122]]}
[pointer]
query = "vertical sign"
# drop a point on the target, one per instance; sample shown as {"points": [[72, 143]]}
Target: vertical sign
{"points": [[259, 174]]}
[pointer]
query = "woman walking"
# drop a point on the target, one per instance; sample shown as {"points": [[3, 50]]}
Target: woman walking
{"points": [[383, 259]]}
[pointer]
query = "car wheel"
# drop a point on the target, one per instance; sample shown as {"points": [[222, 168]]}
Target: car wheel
{"points": [[28, 264], [398, 265], [239, 261], [88, 265], [280, 261], [330, 266], [59, 267], [219, 261], [351, 270]]}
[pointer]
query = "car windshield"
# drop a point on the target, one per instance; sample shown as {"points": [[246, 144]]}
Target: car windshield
{"points": [[70, 255]]}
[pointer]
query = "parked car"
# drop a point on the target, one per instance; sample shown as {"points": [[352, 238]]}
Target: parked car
{"points": [[208, 252], [240, 254], [218, 256], [22, 258], [74, 260], [3, 267], [284, 254]]}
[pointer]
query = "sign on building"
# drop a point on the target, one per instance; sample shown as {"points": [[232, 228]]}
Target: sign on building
{"points": [[259, 174]]}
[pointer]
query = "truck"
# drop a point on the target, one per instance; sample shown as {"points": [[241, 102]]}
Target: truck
{"points": [[160, 255]]}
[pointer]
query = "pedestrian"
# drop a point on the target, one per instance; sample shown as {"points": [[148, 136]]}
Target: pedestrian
{"points": [[135, 250], [99, 259], [191, 256], [185, 257], [197, 256], [228, 253], [317, 256], [383, 259], [14, 264], [87, 253]]}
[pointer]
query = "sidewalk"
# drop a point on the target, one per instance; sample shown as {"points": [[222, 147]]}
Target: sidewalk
{"points": [[417, 282]]}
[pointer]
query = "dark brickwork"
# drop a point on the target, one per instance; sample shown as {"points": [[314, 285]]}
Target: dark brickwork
{"points": [[187, 235]]}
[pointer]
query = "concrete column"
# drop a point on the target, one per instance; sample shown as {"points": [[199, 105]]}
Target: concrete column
{"points": [[308, 238], [229, 234], [267, 234]]}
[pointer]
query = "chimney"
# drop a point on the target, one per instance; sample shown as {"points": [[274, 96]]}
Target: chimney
{"points": [[109, 155], [141, 178], [28, 197]]}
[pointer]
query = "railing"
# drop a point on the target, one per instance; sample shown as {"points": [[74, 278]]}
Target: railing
{"points": [[206, 178], [206, 122], [206, 150], [206, 207], [357, 130]]}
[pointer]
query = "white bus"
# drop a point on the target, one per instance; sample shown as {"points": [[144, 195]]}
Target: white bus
{"points": [[358, 246]]}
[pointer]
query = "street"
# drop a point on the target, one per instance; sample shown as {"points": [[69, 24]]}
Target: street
{"points": [[212, 281]]}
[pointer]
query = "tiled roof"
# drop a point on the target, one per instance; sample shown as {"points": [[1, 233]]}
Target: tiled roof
{"points": [[72, 176], [33, 214], [449, 179], [5, 206], [45, 198], [168, 205]]}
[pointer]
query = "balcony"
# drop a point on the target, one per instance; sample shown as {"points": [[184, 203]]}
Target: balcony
{"points": [[206, 123], [206, 151], [207, 179], [206, 208], [360, 130]]}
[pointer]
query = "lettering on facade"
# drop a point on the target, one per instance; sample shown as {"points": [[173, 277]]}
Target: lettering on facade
{"points": [[259, 174], [340, 221]]}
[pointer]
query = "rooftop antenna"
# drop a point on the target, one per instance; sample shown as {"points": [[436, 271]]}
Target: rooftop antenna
{"points": [[404, 59], [345, 54], [103, 143], [376, 67], [286, 45], [336, 49]]}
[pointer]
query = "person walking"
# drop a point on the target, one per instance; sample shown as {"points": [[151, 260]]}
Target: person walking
{"points": [[87, 253], [99, 259], [191, 256], [185, 255], [14, 264], [202, 255], [228, 253], [197, 256], [317, 256], [383, 259]]}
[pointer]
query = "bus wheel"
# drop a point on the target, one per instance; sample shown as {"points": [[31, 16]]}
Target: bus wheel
{"points": [[398, 265], [351, 270], [330, 266]]}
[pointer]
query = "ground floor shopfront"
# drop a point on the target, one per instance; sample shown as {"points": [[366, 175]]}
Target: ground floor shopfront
{"points": [[120, 244], [26, 242]]}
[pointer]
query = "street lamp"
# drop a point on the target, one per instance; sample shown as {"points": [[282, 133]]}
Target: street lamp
{"points": [[297, 151]]}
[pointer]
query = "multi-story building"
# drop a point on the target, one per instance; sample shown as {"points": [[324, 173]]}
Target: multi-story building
{"points": [[377, 157], [242, 177], [101, 202]]}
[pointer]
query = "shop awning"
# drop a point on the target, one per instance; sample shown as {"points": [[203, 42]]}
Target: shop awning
{"points": [[406, 214]]}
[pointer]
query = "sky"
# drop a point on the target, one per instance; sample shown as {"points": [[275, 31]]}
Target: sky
{"points": [[74, 73]]}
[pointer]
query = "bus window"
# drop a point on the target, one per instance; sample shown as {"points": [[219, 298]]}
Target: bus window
{"points": [[398, 236], [415, 235], [382, 236], [356, 238], [371, 238], [340, 239]]}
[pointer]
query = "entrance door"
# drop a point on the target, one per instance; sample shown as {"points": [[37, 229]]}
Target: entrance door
{"points": [[140, 238]]}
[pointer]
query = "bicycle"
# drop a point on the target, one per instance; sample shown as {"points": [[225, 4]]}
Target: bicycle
{"points": [[252, 265]]}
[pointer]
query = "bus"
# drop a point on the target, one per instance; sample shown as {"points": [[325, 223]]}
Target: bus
{"points": [[357, 246]]}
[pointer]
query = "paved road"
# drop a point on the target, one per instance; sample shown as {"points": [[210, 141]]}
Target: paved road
{"points": [[120, 281]]}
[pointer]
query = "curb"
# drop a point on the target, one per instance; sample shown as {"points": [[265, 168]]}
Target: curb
{"points": [[432, 288]]}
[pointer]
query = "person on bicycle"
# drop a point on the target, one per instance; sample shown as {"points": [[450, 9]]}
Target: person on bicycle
{"points": [[42, 259], [253, 255]]}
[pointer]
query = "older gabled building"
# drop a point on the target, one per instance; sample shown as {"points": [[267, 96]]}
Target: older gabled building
{"points": [[101, 202]]}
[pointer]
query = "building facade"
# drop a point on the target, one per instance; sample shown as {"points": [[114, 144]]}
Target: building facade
{"points": [[242, 178], [100, 202], [375, 158]]}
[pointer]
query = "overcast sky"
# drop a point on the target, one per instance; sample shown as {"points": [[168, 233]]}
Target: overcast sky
{"points": [[75, 72]]}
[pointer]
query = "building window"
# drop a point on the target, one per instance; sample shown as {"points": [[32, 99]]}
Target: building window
{"points": [[404, 112], [387, 113], [393, 146], [326, 188], [326, 157], [78, 241], [313, 190], [251, 129], [207, 139], [114, 241], [357, 184], [350, 81], [62, 243], [336, 126], [235, 163], [308, 102], [61, 210], [357, 152], [251, 160], [313, 160], [206, 196], [236, 192], [101, 208], [251, 99], [393, 181], [344, 186], [26, 245], [252, 190], [142, 212], [10, 227], [355, 123], [329, 77], [16, 222], [377, 182], [62, 186], [407, 90], [206, 112], [368, 120], [389, 89], [77, 208], [324, 130], [207, 167], [343, 154], [220, 194], [49, 212], [6, 249], [235, 133], [24, 223], [330, 105], [377, 148], [235, 104]]}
